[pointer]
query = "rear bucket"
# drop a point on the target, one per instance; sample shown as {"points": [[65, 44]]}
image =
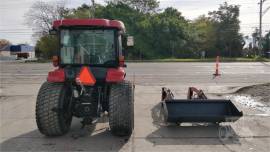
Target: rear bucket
{"points": [[214, 111]]}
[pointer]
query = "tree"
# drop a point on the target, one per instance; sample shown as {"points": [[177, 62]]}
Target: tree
{"points": [[152, 32], [170, 34], [46, 46], [144, 6], [229, 41], [162, 34], [3, 43], [84, 11], [80, 12], [266, 44], [204, 35], [40, 17], [42, 14]]}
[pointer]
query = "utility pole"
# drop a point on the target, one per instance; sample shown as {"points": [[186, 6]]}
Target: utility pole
{"points": [[93, 6], [260, 29], [92, 9], [260, 25]]}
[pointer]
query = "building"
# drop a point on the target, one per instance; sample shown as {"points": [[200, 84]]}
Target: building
{"points": [[5, 51], [22, 51]]}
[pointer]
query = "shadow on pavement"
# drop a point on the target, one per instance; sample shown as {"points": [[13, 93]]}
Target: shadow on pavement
{"points": [[87, 139], [190, 134]]}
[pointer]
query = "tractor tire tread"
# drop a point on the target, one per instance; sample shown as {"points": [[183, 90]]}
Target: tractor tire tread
{"points": [[121, 108], [48, 121]]}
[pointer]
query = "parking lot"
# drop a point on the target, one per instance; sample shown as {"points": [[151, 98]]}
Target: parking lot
{"points": [[20, 83]]}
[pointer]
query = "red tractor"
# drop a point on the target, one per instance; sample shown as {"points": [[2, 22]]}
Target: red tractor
{"points": [[89, 80]]}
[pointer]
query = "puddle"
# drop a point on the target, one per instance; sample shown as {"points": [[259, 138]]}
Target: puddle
{"points": [[249, 102]]}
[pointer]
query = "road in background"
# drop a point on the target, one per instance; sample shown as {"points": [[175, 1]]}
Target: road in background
{"points": [[20, 83]]}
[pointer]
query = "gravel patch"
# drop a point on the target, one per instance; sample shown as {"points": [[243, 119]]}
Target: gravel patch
{"points": [[261, 91]]}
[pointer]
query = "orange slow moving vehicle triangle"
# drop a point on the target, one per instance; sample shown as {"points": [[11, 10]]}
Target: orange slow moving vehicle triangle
{"points": [[86, 77]]}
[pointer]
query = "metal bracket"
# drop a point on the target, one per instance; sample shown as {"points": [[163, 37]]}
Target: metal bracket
{"points": [[194, 93]]}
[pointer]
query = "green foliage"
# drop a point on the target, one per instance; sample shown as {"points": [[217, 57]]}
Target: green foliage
{"points": [[144, 6], [228, 40], [165, 34], [47, 46], [205, 35], [266, 44]]}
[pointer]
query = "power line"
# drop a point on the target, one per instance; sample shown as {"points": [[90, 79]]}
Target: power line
{"points": [[267, 9]]}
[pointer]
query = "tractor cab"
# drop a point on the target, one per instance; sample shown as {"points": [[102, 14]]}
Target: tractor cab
{"points": [[96, 43], [89, 80]]}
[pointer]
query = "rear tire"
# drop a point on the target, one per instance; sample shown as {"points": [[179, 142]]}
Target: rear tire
{"points": [[53, 117], [121, 109]]}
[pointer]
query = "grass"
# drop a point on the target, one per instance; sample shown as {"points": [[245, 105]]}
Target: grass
{"points": [[257, 59]]}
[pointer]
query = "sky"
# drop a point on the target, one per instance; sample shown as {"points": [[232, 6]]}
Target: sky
{"points": [[14, 29]]}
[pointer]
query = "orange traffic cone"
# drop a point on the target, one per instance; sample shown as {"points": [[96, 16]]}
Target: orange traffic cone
{"points": [[217, 67]]}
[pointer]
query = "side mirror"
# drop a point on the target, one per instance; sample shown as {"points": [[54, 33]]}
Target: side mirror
{"points": [[130, 41], [53, 32]]}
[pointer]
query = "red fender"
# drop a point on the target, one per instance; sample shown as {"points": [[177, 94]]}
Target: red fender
{"points": [[57, 75], [115, 74]]}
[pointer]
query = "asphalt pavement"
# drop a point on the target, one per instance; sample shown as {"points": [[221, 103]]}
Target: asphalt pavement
{"points": [[20, 83]]}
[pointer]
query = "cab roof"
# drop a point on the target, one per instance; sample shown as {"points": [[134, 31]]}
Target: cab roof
{"points": [[89, 22]]}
